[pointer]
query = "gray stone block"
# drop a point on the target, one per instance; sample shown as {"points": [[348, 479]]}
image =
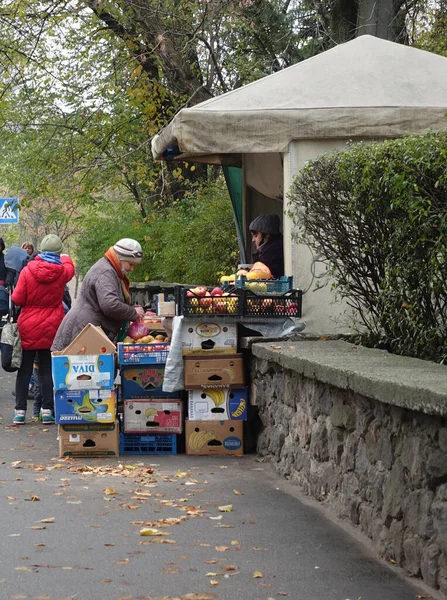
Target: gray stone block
{"points": [[413, 555], [430, 565], [394, 492], [417, 512]]}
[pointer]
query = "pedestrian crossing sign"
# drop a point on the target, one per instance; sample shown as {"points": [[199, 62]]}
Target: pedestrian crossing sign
{"points": [[9, 210]]}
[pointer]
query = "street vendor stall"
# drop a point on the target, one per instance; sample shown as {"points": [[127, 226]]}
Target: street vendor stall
{"points": [[263, 133]]}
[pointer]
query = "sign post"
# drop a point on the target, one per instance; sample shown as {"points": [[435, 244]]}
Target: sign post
{"points": [[9, 210]]}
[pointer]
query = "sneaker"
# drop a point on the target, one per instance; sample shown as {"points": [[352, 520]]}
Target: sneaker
{"points": [[47, 415], [19, 417]]}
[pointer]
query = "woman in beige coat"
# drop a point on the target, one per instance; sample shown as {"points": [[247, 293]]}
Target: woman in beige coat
{"points": [[104, 299]]}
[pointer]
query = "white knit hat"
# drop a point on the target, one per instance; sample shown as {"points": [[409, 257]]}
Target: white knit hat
{"points": [[128, 249]]}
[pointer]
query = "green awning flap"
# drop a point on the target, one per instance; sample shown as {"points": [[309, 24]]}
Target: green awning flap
{"points": [[233, 178]]}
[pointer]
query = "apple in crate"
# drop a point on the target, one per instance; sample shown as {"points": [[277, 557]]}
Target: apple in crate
{"points": [[206, 302], [217, 291], [200, 291]]}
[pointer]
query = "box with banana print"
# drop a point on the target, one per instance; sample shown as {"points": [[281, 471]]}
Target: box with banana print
{"points": [[214, 438], [217, 404], [160, 415]]}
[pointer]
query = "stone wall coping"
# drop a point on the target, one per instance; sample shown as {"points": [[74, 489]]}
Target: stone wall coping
{"points": [[397, 380]]}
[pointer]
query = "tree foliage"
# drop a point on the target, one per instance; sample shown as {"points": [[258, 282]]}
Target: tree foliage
{"points": [[378, 214], [191, 241]]}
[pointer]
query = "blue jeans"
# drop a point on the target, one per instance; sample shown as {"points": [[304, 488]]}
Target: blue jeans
{"points": [[45, 376]]}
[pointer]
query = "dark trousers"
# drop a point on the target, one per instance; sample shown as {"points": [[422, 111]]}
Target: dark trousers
{"points": [[24, 376]]}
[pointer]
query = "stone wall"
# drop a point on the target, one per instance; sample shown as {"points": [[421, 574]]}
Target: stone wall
{"points": [[381, 466]]}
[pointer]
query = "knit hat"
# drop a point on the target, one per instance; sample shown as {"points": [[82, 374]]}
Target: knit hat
{"points": [[51, 243], [128, 249], [266, 224]]}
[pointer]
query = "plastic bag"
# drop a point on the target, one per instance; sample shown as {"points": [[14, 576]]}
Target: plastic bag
{"points": [[11, 347]]}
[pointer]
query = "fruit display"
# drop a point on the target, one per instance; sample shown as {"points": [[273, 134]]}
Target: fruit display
{"points": [[200, 301]]}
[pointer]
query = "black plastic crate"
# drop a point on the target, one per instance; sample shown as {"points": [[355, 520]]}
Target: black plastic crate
{"points": [[162, 443], [272, 305], [193, 305]]}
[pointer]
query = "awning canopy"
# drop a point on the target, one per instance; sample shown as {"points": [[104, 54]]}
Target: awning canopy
{"points": [[365, 88]]}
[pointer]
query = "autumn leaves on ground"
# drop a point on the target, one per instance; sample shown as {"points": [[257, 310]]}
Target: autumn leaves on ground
{"points": [[127, 529]]}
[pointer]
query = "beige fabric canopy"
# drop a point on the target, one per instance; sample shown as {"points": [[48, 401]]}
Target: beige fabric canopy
{"points": [[367, 88]]}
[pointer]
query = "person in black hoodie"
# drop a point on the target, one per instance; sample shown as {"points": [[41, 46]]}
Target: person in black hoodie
{"points": [[6, 281], [266, 236]]}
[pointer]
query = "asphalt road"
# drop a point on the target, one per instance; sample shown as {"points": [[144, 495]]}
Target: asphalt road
{"points": [[71, 529]]}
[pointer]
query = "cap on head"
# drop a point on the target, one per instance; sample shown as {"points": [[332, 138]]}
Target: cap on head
{"points": [[269, 223], [128, 249], [51, 243]]}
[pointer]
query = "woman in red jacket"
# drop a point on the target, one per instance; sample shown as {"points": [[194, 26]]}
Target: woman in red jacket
{"points": [[39, 292]]}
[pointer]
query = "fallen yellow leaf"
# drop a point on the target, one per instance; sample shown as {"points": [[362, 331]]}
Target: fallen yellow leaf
{"points": [[151, 531], [222, 548], [238, 493], [226, 508], [214, 582], [48, 520], [110, 491], [257, 575]]}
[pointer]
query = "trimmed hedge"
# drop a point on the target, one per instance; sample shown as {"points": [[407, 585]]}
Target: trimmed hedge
{"points": [[377, 213]]}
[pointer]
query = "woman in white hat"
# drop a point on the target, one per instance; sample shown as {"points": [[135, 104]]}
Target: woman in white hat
{"points": [[104, 298]]}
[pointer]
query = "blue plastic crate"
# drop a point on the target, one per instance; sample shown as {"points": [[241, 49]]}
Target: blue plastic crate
{"points": [[163, 443], [143, 354]]}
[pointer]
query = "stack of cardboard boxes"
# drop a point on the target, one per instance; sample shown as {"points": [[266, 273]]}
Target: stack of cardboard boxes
{"points": [[85, 396], [214, 379], [152, 419]]}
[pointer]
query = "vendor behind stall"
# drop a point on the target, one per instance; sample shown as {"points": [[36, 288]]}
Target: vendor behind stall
{"points": [[269, 254]]}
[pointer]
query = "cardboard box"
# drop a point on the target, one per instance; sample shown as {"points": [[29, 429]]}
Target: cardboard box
{"points": [[143, 382], [163, 307], [158, 416], [218, 404], [91, 340], [79, 372], [214, 371], [85, 439], [214, 437], [209, 337], [143, 354], [85, 406]]}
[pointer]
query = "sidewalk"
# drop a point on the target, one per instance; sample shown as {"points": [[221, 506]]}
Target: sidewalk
{"points": [[71, 529]]}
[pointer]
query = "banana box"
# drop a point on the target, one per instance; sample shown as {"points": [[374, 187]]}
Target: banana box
{"points": [[217, 404], [89, 439], [143, 382], [212, 371], [85, 406], [209, 337], [206, 438], [83, 372], [160, 415]]}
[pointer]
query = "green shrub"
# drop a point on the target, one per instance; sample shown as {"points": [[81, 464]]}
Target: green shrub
{"points": [[377, 213]]}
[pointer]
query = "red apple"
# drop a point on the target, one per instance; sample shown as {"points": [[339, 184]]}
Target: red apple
{"points": [[205, 302], [199, 291], [190, 294], [217, 291]]}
